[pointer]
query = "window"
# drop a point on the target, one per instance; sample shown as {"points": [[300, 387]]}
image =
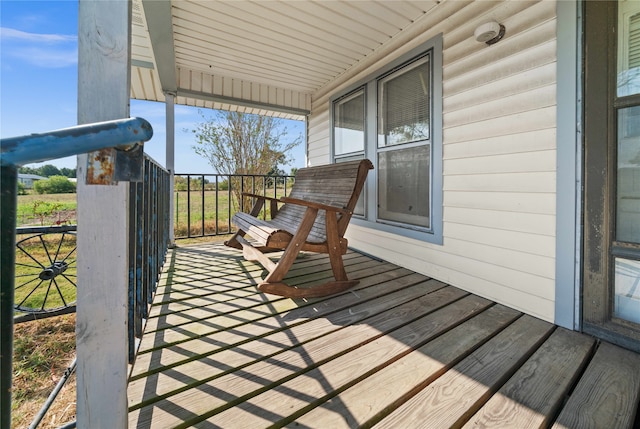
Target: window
{"points": [[348, 119], [403, 104], [403, 119], [349, 134], [628, 48], [394, 118]]}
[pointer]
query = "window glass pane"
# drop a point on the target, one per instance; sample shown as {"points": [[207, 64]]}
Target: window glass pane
{"points": [[627, 290], [628, 48], [403, 105], [348, 124], [628, 186], [403, 185], [359, 209]]}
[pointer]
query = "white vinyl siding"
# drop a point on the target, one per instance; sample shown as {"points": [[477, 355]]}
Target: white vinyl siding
{"points": [[318, 137], [499, 155]]}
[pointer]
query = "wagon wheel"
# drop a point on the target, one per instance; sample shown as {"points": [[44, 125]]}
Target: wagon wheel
{"points": [[45, 279]]}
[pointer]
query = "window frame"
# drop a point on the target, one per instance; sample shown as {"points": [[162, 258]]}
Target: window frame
{"points": [[369, 84]]}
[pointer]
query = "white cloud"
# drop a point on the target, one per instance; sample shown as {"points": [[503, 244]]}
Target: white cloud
{"points": [[39, 50], [9, 34]]}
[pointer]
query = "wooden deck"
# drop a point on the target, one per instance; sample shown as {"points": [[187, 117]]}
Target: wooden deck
{"points": [[398, 351]]}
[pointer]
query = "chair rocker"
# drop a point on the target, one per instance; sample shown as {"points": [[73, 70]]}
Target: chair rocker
{"points": [[314, 218]]}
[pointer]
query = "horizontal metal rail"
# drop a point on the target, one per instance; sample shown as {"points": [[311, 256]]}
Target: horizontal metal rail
{"points": [[205, 203], [45, 229], [122, 133]]}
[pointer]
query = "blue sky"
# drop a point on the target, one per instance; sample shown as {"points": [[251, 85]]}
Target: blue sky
{"points": [[38, 84]]}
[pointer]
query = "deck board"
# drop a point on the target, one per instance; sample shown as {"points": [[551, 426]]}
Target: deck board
{"points": [[262, 374], [235, 350], [394, 384], [310, 389], [398, 350], [244, 332], [607, 395], [456, 395], [533, 395]]}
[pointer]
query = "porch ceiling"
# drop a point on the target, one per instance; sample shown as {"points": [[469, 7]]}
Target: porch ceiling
{"points": [[266, 57]]}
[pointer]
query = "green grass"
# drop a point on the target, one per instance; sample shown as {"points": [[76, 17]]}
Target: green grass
{"points": [[195, 201], [46, 209]]}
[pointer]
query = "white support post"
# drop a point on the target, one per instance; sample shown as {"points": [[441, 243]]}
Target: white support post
{"points": [[170, 155], [104, 34]]}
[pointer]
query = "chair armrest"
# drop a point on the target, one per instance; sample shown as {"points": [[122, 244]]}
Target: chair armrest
{"points": [[315, 205], [260, 200], [262, 197]]}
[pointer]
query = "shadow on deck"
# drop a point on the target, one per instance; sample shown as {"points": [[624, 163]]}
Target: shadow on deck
{"points": [[399, 350]]}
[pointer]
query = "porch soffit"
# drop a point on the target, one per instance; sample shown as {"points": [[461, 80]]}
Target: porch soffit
{"points": [[267, 57]]}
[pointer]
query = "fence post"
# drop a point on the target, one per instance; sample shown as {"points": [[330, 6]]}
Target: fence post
{"points": [[170, 98], [8, 202]]}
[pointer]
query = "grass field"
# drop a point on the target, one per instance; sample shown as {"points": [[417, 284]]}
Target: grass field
{"points": [[46, 209], [42, 351], [214, 207], [190, 208]]}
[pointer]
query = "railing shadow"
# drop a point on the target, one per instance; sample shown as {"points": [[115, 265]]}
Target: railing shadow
{"points": [[399, 334]]}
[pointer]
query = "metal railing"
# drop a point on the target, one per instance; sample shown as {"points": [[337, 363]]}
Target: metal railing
{"points": [[205, 203], [148, 245], [17, 151]]}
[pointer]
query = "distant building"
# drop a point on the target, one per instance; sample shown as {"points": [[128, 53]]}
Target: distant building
{"points": [[28, 179]]}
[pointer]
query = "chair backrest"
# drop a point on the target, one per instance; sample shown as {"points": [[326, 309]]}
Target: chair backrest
{"points": [[334, 184]]}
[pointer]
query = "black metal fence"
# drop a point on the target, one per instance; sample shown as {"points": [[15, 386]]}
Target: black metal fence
{"points": [[205, 203]]}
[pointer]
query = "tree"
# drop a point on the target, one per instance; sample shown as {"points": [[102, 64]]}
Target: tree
{"points": [[54, 185], [49, 170], [180, 183], [28, 170], [242, 143], [22, 190], [68, 172]]}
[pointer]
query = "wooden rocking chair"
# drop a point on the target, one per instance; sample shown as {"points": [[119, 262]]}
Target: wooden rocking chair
{"points": [[314, 218]]}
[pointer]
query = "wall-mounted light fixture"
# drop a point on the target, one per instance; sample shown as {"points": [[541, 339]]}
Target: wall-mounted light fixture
{"points": [[489, 32]]}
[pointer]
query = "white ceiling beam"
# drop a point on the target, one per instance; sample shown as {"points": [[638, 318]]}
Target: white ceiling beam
{"points": [[159, 23]]}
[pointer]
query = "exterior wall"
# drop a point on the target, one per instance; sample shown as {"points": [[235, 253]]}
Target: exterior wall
{"points": [[28, 179], [318, 136], [499, 155]]}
